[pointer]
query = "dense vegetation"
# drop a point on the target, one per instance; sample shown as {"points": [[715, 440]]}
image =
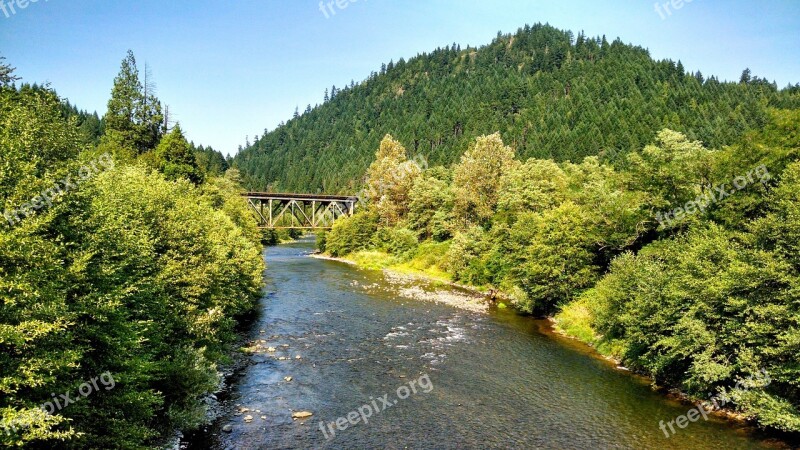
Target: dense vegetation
{"points": [[651, 210], [680, 260], [550, 95], [127, 259]]}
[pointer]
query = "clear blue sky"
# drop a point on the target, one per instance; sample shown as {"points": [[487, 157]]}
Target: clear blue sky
{"points": [[231, 68]]}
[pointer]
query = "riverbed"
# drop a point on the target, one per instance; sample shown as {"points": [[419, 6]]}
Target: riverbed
{"points": [[339, 342]]}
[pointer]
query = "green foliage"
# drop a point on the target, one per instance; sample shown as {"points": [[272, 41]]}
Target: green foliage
{"points": [[673, 171], [322, 241], [704, 311], [576, 318], [175, 159], [556, 259], [779, 229], [210, 161], [476, 178], [127, 273], [430, 207], [535, 185], [7, 76], [400, 242], [134, 113], [270, 237], [464, 259], [702, 305], [389, 179], [429, 256], [552, 94], [352, 234]]}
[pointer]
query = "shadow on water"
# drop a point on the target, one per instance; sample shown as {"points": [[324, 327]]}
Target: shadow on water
{"points": [[346, 337]]}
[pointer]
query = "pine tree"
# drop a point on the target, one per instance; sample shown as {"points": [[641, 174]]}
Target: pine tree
{"points": [[124, 103], [746, 76], [6, 73], [175, 158], [134, 113]]}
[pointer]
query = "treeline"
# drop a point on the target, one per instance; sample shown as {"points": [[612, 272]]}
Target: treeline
{"points": [[91, 128], [126, 265], [549, 93], [679, 260]]}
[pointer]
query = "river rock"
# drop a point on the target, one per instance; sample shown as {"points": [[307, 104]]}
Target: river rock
{"points": [[301, 415], [227, 428], [287, 379], [248, 418]]}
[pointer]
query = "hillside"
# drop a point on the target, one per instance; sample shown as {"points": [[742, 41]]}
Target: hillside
{"points": [[549, 93]]}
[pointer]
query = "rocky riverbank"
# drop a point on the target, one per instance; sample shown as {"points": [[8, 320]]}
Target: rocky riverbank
{"points": [[419, 287]]}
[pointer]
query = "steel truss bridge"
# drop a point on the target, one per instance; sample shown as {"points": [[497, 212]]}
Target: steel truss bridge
{"points": [[299, 211]]}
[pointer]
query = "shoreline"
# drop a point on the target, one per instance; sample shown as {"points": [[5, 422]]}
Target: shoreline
{"points": [[472, 299], [554, 331]]}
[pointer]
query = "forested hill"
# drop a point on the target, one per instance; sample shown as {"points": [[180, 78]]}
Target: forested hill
{"points": [[549, 93]]}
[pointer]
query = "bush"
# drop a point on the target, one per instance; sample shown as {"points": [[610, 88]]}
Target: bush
{"points": [[554, 256], [703, 312], [351, 234], [155, 274], [322, 241], [403, 242], [400, 242], [270, 237], [463, 258]]}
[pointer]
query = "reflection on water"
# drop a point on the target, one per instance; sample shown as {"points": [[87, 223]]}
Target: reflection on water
{"points": [[500, 380]]}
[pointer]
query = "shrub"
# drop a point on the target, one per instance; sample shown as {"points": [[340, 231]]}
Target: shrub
{"points": [[351, 234], [322, 240], [463, 258]]}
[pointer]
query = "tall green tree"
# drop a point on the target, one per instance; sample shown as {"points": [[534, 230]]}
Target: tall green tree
{"points": [[134, 115], [476, 178], [389, 180], [175, 158]]}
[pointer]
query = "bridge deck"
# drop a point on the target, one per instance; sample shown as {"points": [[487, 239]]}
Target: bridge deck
{"points": [[287, 196], [301, 211]]}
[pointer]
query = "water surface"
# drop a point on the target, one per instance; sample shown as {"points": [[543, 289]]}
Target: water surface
{"points": [[498, 380]]}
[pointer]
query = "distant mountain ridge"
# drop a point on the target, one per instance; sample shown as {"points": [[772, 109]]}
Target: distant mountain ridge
{"points": [[549, 93]]}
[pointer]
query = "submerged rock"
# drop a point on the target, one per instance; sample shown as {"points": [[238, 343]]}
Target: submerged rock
{"points": [[301, 415]]}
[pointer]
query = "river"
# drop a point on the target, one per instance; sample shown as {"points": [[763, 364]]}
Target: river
{"points": [[496, 380]]}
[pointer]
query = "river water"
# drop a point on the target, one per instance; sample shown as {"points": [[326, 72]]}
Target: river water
{"points": [[496, 380]]}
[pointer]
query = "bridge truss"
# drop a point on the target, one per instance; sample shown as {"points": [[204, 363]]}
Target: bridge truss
{"points": [[299, 211]]}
